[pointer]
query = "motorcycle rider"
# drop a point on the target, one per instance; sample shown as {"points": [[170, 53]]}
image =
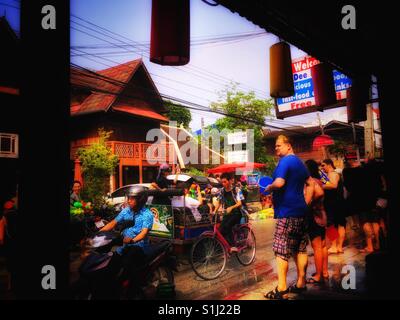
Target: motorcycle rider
{"points": [[135, 240]]}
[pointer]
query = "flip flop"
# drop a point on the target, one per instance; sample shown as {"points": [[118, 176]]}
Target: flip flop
{"points": [[277, 295], [295, 289], [313, 281]]}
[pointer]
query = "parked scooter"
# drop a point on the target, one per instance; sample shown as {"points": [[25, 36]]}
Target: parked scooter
{"points": [[102, 274]]}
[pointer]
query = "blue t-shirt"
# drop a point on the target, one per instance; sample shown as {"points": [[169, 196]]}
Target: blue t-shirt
{"points": [[143, 219], [289, 200]]}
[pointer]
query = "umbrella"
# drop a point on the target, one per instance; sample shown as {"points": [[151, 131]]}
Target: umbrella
{"points": [[181, 177], [231, 167], [322, 141]]}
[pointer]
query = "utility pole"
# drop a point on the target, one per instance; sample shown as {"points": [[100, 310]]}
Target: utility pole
{"points": [[355, 142], [369, 133]]}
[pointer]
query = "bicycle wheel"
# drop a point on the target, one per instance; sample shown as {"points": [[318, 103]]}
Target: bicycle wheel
{"points": [[208, 258], [246, 241]]}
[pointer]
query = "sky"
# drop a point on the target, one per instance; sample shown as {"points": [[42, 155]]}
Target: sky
{"points": [[213, 65]]}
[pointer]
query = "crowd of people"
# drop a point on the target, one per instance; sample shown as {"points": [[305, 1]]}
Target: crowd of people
{"points": [[313, 203]]}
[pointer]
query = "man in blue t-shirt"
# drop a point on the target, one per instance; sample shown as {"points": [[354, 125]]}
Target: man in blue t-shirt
{"points": [[135, 241], [290, 238]]}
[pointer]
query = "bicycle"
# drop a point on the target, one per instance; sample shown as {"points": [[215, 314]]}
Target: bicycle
{"points": [[209, 254]]}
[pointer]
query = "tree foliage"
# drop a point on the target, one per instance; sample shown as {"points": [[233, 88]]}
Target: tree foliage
{"points": [[178, 113], [98, 163], [192, 171], [245, 111]]}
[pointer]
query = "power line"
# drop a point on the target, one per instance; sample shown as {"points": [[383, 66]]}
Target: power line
{"points": [[193, 106], [123, 37]]}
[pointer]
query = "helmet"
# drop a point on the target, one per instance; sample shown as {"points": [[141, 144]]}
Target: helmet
{"points": [[139, 193], [165, 167]]}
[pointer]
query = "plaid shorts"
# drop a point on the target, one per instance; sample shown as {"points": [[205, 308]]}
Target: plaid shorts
{"points": [[290, 237]]}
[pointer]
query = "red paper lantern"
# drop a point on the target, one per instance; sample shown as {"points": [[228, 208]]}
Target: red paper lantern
{"points": [[281, 74], [322, 141], [324, 88], [170, 32], [357, 99]]}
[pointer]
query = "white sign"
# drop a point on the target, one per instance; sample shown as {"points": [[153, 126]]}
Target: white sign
{"points": [[303, 86], [238, 156], [237, 137]]}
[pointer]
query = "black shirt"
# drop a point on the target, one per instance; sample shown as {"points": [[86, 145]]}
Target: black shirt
{"points": [[163, 183]]}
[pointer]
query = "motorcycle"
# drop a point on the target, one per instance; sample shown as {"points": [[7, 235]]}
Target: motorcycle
{"points": [[102, 274]]}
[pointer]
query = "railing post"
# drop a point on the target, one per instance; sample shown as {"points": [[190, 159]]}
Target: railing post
{"points": [[140, 163]]}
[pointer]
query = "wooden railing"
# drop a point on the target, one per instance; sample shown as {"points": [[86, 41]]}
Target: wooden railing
{"points": [[130, 150]]}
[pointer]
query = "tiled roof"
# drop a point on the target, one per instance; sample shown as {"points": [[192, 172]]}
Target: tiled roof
{"points": [[112, 84]]}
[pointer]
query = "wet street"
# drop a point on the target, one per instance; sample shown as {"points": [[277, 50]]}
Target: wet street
{"points": [[250, 283], [240, 282]]}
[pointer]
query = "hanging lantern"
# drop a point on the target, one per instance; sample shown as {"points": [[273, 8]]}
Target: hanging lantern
{"points": [[357, 98], [322, 141], [170, 32], [324, 88], [281, 75]]}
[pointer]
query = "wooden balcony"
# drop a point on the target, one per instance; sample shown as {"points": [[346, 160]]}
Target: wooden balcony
{"points": [[131, 151]]}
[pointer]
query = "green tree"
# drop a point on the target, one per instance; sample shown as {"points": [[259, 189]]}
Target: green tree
{"points": [[194, 172], [178, 113], [245, 111], [98, 164]]}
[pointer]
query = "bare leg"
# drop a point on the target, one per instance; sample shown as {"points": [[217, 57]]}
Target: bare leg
{"points": [[333, 247], [301, 263], [282, 269], [340, 240], [324, 250], [376, 228], [368, 234], [318, 257]]}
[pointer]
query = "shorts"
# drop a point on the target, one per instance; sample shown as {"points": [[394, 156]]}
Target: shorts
{"points": [[290, 237], [370, 216], [315, 230]]}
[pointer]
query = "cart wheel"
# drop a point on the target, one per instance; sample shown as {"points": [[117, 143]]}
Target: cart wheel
{"points": [[208, 258]]}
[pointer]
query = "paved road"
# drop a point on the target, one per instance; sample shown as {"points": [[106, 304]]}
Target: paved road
{"points": [[190, 286], [251, 282]]}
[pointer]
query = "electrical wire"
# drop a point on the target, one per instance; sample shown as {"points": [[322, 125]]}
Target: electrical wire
{"points": [[193, 106]]}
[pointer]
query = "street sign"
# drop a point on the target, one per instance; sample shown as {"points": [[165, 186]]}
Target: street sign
{"points": [[303, 97], [238, 156], [237, 137]]}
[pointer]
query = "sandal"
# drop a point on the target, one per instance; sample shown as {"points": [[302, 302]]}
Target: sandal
{"points": [[295, 289], [276, 294], [365, 250], [314, 281]]}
